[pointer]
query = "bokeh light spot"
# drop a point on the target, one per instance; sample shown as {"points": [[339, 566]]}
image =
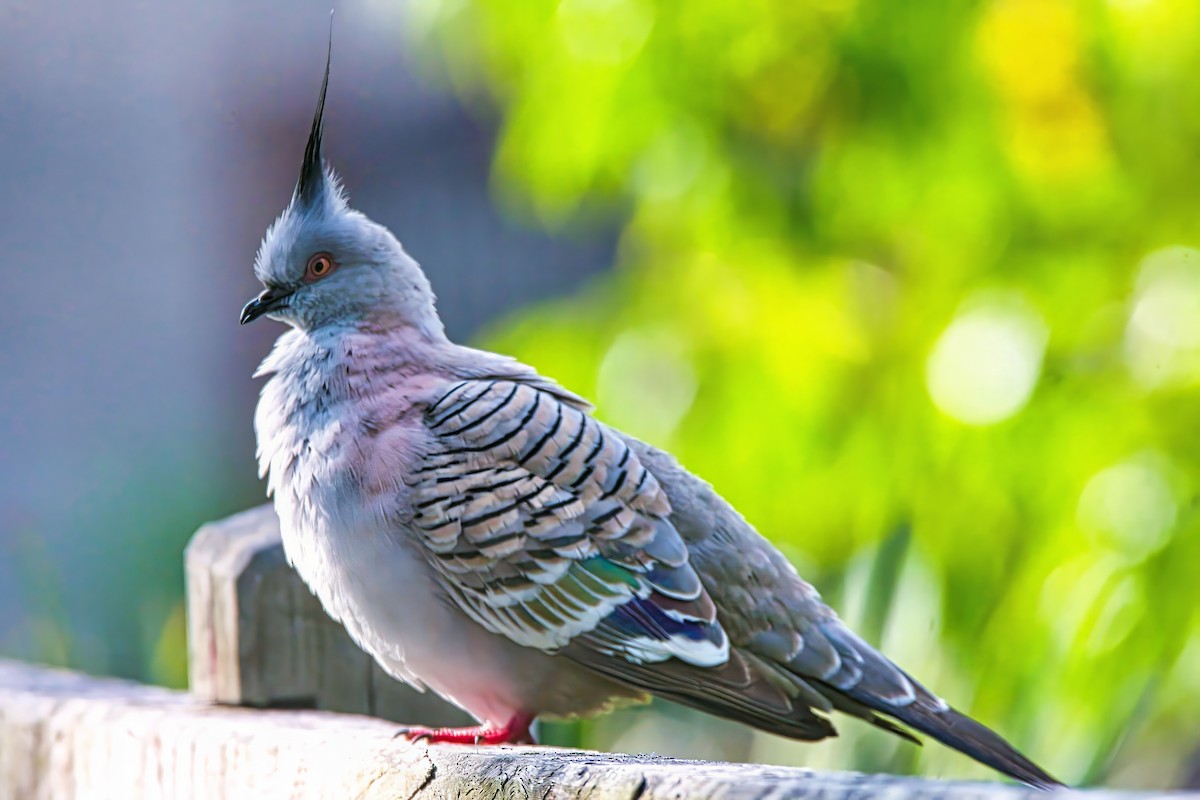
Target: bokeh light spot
{"points": [[604, 31], [646, 383], [1129, 506], [1162, 338], [671, 163], [1117, 611], [985, 365]]}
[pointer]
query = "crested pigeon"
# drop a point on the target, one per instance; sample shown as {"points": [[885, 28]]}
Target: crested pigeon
{"points": [[480, 533]]}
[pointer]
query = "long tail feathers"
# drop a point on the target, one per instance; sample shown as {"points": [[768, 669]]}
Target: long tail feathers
{"points": [[866, 684], [968, 736]]}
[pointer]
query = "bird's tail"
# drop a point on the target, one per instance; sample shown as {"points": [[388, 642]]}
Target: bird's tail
{"points": [[867, 684], [970, 737]]}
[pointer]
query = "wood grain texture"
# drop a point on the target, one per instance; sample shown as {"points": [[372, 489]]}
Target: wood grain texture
{"points": [[71, 737], [258, 637]]}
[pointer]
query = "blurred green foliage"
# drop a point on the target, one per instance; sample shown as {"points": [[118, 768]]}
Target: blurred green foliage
{"points": [[912, 285]]}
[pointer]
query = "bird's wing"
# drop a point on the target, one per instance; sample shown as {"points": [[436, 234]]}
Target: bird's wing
{"points": [[544, 526]]}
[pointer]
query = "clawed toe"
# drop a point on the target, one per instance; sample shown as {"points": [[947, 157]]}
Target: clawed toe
{"points": [[516, 731], [414, 733]]}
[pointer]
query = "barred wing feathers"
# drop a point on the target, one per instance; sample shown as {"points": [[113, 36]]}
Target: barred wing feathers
{"points": [[546, 528]]}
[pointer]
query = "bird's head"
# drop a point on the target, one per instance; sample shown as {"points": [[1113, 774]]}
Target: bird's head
{"points": [[325, 264]]}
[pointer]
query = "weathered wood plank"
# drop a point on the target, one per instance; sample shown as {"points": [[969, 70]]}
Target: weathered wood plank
{"points": [[257, 636], [71, 737]]}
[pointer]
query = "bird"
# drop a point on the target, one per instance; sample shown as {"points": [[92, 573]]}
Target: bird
{"points": [[480, 533]]}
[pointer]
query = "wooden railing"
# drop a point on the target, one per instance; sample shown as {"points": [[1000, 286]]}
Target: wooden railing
{"points": [[262, 653]]}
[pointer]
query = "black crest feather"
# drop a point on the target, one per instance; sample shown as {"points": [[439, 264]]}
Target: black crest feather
{"points": [[312, 172]]}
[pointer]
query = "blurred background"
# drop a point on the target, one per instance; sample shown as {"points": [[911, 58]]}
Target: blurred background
{"points": [[915, 286]]}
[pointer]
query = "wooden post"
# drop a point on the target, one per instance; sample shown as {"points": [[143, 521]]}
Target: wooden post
{"points": [[258, 637]]}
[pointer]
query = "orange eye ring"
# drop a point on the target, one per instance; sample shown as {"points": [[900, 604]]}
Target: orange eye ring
{"points": [[320, 265]]}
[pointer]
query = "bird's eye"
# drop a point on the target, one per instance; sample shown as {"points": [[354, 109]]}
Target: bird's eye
{"points": [[319, 266]]}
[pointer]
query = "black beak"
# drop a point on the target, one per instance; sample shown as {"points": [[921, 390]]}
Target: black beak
{"points": [[269, 300]]}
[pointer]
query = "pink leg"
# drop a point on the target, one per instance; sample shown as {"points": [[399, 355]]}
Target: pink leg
{"points": [[515, 731]]}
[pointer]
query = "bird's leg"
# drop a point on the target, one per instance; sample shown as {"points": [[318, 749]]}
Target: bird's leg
{"points": [[515, 731]]}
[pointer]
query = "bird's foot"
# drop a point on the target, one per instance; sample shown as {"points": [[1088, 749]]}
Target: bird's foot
{"points": [[515, 731]]}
